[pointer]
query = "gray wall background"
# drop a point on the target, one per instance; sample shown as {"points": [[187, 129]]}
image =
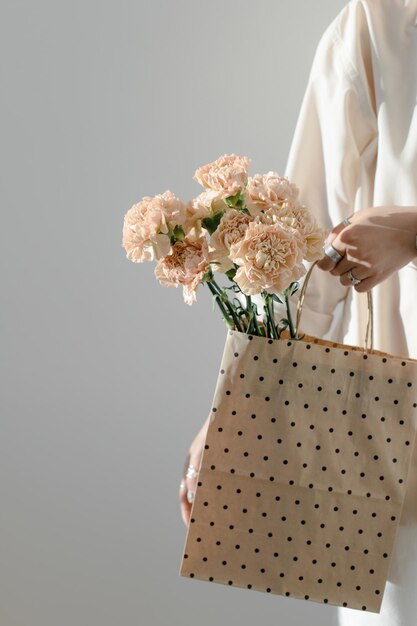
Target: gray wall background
{"points": [[107, 376]]}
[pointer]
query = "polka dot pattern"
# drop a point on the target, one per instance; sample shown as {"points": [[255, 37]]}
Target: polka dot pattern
{"points": [[304, 470]]}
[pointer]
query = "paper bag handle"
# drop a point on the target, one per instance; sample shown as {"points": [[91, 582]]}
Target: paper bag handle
{"points": [[369, 334]]}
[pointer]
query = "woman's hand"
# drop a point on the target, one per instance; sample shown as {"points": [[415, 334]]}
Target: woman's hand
{"points": [[378, 241], [194, 457]]}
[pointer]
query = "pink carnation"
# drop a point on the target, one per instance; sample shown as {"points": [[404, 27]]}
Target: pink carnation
{"points": [[231, 229], [270, 257], [185, 265], [147, 224], [227, 176], [301, 218], [269, 190]]}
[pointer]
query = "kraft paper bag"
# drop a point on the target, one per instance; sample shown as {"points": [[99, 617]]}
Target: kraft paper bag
{"points": [[304, 470]]}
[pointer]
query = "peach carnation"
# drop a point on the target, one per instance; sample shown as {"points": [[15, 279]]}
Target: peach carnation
{"points": [[300, 218], [268, 190], [270, 257], [185, 265], [147, 225], [231, 229], [140, 233], [206, 204], [227, 176]]}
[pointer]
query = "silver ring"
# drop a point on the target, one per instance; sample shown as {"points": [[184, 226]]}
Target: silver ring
{"points": [[190, 496], [332, 253], [346, 222], [191, 472], [353, 280]]}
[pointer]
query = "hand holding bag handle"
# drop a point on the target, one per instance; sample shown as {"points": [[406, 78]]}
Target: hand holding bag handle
{"points": [[369, 335]]}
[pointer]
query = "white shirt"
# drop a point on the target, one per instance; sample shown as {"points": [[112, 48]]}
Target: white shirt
{"points": [[355, 146]]}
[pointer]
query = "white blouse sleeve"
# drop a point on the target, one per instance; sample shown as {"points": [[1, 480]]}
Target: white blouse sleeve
{"points": [[335, 128]]}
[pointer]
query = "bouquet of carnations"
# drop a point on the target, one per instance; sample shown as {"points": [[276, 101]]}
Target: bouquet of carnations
{"points": [[252, 230], [296, 493]]}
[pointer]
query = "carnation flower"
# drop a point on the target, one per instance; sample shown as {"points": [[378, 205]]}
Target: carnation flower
{"points": [[147, 226], [185, 265], [270, 257], [227, 176], [269, 190], [171, 208], [300, 218], [256, 227], [140, 233], [231, 229], [204, 205], [207, 203]]}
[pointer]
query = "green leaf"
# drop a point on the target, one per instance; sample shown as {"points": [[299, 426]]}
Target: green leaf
{"points": [[237, 303], [231, 273], [237, 201], [277, 298], [179, 233], [211, 223], [293, 288], [255, 308], [207, 276]]}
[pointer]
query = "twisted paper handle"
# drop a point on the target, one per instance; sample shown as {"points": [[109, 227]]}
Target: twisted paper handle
{"points": [[369, 334]]}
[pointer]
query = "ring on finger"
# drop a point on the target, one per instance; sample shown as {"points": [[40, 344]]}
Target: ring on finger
{"points": [[191, 472], [353, 279], [332, 253]]}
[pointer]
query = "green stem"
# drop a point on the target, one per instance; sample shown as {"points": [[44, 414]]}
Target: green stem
{"points": [[290, 323], [228, 304], [272, 318], [269, 315], [266, 312], [227, 319], [250, 313], [255, 320], [250, 310]]}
